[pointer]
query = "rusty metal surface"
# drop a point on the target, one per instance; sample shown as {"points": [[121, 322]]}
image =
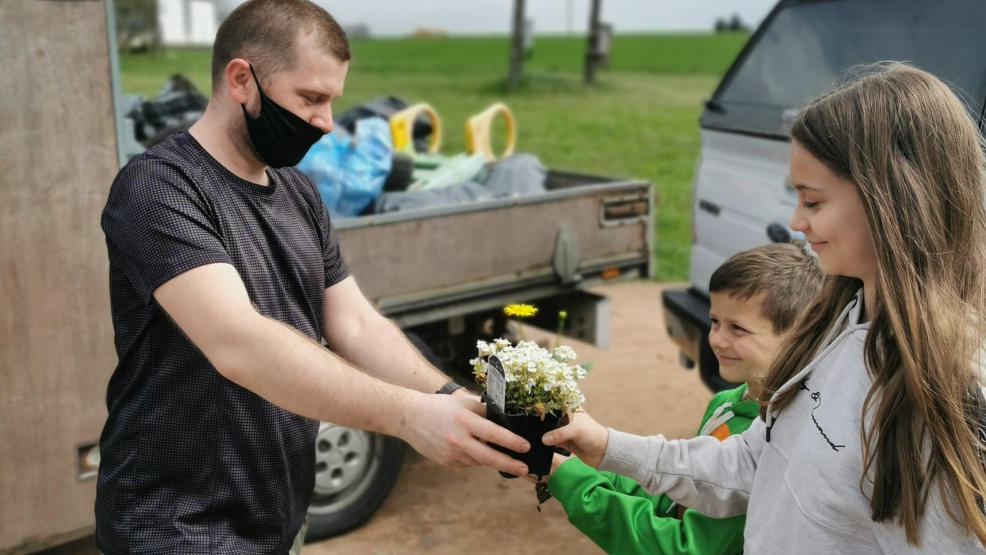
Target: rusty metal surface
{"points": [[57, 158]]}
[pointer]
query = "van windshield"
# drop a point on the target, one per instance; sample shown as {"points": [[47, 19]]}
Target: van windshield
{"points": [[804, 48]]}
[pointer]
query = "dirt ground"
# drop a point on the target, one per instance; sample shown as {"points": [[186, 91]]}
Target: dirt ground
{"points": [[636, 385]]}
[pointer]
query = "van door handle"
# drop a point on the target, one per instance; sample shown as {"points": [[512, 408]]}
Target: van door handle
{"points": [[778, 233], [709, 207]]}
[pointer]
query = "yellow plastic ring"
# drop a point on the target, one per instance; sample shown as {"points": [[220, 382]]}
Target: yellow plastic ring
{"points": [[402, 128]]}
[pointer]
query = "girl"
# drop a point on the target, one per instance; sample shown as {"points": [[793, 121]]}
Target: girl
{"points": [[867, 441]]}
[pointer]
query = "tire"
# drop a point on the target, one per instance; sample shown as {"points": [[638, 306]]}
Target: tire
{"points": [[354, 472], [401, 172]]}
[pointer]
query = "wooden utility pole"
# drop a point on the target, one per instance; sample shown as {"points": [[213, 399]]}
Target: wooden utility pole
{"points": [[568, 17], [592, 53], [155, 10], [516, 46]]}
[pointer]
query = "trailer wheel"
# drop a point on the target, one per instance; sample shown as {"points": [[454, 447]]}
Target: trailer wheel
{"points": [[354, 472]]}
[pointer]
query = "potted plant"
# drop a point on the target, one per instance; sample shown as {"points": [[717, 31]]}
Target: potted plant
{"points": [[539, 387]]}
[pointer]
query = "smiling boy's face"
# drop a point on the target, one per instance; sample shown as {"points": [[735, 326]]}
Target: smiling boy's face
{"points": [[742, 339]]}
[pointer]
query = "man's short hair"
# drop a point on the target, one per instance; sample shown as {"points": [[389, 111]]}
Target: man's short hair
{"points": [[786, 276], [265, 32]]}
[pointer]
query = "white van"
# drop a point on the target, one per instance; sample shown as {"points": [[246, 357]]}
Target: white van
{"points": [[742, 193]]}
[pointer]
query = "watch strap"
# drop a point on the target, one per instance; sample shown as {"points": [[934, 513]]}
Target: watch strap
{"points": [[449, 388]]}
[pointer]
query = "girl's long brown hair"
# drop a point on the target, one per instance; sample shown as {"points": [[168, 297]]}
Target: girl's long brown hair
{"points": [[917, 160]]}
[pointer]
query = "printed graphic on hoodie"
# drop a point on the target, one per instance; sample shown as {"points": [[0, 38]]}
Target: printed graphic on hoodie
{"points": [[817, 397]]}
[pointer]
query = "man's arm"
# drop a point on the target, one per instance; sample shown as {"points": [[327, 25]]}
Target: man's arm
{"points": [[358, 333], [211, 306]]}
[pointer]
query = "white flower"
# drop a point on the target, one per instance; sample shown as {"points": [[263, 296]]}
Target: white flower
{"points": [[484, 348], [564, 353], [535, 377]]}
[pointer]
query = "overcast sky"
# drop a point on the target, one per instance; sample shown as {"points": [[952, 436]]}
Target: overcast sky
{"points": [[400, 17]]}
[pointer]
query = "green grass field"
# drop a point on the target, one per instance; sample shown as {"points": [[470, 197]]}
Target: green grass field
{"points": [[640, 120]]}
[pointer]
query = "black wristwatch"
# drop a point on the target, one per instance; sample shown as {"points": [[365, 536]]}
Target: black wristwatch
{"points": [[449, 388]]}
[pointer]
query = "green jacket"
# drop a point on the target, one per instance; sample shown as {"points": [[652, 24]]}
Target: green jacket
{"points": [[621, 517]]}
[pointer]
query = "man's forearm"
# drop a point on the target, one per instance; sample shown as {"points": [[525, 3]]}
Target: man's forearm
{"points": [[381, 349], [295, 373]]}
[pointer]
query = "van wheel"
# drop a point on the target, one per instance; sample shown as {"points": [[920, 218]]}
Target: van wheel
{"points": [[354, 472]]}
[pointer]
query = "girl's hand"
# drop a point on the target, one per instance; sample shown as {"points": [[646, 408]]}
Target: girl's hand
{"points": [[583, 436]]}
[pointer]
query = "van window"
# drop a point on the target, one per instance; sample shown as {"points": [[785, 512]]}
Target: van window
{"points": [[804, 48]]}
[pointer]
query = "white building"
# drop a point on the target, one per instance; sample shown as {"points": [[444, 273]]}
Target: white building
{"points": [[187, 22]]}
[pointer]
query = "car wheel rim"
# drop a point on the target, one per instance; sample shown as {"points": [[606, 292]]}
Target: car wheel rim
{"points": [[345, 460]]}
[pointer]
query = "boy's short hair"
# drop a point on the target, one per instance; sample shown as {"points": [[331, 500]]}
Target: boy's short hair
{"points": [[785, 274]]}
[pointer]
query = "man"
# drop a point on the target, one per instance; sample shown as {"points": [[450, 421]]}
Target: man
{"points": [[224, 274]]}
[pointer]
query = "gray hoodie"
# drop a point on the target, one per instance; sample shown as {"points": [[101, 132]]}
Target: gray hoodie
{"points": [[801, 489]]}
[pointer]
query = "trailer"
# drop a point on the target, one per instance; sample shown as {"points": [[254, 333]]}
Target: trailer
{"points": [[443, 275]]}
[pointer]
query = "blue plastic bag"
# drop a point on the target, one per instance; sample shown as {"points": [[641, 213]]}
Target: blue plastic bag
{"points": [[349, 170], [323, 165]]}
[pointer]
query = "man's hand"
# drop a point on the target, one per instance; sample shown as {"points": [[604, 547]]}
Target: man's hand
{"points": [[465, 394], [583, 436], [477, 406], [449, 430]]}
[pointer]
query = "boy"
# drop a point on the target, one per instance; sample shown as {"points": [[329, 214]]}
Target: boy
{"points": [[755, 296]]}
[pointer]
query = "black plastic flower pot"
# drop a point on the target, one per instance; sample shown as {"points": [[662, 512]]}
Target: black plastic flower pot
{"points": [[531, 428]]}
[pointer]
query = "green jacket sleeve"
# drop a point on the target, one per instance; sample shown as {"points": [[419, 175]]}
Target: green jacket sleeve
{"points": [[620, 518]]}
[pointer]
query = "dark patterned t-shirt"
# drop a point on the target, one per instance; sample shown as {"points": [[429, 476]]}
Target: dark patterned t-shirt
{"points": [[191, 462]]}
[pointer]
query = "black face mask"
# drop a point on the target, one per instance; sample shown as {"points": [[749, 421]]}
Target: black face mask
{"points": [[279, 138]]}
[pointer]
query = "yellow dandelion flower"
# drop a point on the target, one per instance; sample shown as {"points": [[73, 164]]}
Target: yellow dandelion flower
{"points": [[520, 310]]}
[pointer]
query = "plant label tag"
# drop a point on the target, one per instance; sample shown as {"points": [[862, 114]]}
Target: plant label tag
{"points": [[496, 382]]}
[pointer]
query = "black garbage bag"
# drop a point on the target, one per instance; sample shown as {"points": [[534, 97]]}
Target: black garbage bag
{"points": [[384, 107], [175, 108]]}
